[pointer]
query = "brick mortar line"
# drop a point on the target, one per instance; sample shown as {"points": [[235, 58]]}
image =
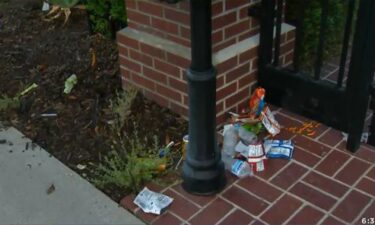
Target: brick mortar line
{"points": [[180, 218], [342, 166], [161, 84], [219, 195], [337, 181], [177, 36], [322, 134], [140, 62], [370, 178], [225, 12], [234, 36], [287, 191], [292, 118], [244, 210], [226, 215], [225, 85], [248, 73], [181, 195], [238, 90], [310, 169], [352, 154], [168, 86], [132, 60], [351, 189], [284, 193], [286, 53], [347, 152], [278, 172], [301, 179], [201, 209], [174, 8], [161, 60], [330, 73], [305, 202], [126, 46], [253, 194], [364, 210], [320, 190], [286, 42], [235, 9], [286, 222], [227, 26], [232, 94]]}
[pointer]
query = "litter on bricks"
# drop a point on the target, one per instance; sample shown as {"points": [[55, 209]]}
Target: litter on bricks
{"points": [[152, 202], [243, 152]]}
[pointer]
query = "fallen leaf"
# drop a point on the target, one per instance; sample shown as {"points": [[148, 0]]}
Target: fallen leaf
{"points": [[51, 189], [81, 167]]}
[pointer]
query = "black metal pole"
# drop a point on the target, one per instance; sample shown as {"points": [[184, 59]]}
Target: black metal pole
{"points": [[203, 170]]}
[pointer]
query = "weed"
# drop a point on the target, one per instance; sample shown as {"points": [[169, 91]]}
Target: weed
{"points": [[130, 166], [121, 107], [132, 162], [8, 103], [106, 16]]}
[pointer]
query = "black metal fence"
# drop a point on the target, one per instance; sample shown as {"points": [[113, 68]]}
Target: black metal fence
{"points": [[342, 103]]}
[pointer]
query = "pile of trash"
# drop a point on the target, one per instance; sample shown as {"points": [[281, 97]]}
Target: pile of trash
{"points": [[243, 152]]}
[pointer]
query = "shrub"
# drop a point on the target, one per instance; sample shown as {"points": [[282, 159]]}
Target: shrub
{"points": [[106, 16], [132, 162], [311, 27]]}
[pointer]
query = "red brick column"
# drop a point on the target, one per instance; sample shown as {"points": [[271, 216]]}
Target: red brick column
{"points": [[155, 52]]}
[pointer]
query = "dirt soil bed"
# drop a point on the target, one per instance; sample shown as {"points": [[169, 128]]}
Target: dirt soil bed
{"points": [[47, 53]]}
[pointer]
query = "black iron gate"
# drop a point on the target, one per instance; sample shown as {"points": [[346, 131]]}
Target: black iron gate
{"points": [[341, 104]]}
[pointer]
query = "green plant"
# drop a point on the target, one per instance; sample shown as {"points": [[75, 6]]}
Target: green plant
{"points": [[132, 162], [130, 166], [8, 103], [121, 107], [106, 16], [312, 11]]}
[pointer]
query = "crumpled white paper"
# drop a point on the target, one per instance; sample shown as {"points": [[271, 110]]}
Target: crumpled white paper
{"points": [[152, 202]]}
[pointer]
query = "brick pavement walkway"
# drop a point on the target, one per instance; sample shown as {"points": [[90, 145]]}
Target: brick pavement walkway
{"points": [[322, 184]]}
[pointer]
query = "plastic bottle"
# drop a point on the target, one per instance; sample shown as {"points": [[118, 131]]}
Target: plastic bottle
{"points": [[236, 166], [246, 136], [231, 139]]}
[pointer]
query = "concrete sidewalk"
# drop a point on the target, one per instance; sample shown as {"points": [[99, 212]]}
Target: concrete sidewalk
{"points": [[25, 177]]}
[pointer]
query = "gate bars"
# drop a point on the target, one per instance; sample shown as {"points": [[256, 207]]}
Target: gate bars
{"points": [[334, 104], [361, 72]]}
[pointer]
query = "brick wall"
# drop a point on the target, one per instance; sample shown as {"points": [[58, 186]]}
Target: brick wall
{"points": [[230, 23], [155, 52]]}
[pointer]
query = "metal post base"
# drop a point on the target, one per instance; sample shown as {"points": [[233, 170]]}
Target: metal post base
{"points": [[203, 182], [203, 170]]}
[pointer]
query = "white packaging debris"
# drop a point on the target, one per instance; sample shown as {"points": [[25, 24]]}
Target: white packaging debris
{"points": [[45, 7], [152, 202], [269, 122]]}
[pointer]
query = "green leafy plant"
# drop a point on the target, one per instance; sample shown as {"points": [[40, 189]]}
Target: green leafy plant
{"points": [[8, 103], [312, 11], [121, 107], [130, 166], [106, 16], [132, 162]]}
